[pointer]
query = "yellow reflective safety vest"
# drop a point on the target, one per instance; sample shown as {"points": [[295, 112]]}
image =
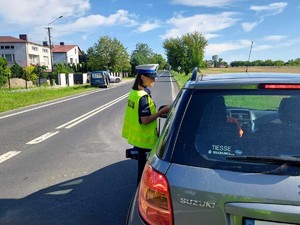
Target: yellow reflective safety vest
{"points": [[136, 133]]}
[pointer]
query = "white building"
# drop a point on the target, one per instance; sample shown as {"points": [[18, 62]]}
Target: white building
{"points": [[23, 52], [26, 53], [68, 54]]}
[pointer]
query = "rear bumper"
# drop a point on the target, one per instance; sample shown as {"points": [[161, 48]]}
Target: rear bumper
{"points": [[133, 216]]}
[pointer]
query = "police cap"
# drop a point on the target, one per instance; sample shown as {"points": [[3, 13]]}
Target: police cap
{"points": [[147, 70]]}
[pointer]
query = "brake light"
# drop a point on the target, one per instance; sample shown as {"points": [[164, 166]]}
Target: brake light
{"points": [[154, 198], [280, 86]]}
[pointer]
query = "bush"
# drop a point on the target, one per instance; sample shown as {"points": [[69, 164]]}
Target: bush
{"points": [[4, 71]]}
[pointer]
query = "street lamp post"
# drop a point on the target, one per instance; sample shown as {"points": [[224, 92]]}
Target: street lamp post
{"points": [[50, 45]]}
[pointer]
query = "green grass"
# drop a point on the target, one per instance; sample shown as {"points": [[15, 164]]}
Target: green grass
{"points": [[13, 99], [180, 78], [254, 102]]}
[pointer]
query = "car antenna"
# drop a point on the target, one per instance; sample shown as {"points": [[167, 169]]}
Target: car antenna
{"points": [[249, 57]]}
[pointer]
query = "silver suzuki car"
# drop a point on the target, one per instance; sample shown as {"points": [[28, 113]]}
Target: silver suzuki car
{"points": [[229, 154]]}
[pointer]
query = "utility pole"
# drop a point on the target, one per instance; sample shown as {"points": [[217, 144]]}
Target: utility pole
{"points": [[50, 45]]}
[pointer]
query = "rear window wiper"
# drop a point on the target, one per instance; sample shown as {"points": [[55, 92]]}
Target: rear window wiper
{"points": [[289, 160]]}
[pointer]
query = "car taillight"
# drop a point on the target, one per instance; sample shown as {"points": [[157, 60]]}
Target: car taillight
{"points": [[154, 198], [279, 86]]}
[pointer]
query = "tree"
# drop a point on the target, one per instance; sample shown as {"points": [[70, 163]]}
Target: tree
{"points": [[220, 62], [40, 71], [108, 54], [279, 63], [215, 59], [29, 74], [195, 44], [159, 59], [269, 62], [293, 62], [61, 68], [186, 52], [17, 71], [175, 53], [142, 54], [82, 67], [4, 71]]}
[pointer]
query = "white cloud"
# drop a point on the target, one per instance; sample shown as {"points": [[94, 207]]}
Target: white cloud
{"points": [[262, 47], [274, 38], [271, 9], [41, 12], [85, 24], [264, 11], [121, 17], [244, 44], [206, 3], [259, 47], [210, 35], [290, 43], [249, 26], [149, 25], [203, 23], [33, 17], [219, 48]]}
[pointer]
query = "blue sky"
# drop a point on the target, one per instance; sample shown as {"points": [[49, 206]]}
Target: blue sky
{"points": [[229, 25]]}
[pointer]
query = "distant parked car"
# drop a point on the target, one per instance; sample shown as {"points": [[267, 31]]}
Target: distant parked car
{"points": [[100, 78], [203, 170], [114, 79]]}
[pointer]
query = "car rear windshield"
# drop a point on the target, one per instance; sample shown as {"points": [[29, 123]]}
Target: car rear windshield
{"points": [[244, 130]]}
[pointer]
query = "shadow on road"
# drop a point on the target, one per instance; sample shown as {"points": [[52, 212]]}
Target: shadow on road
{"points": [[100, 198]]}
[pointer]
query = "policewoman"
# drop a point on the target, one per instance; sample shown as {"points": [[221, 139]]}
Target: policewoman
{"points": [[140, 125]]}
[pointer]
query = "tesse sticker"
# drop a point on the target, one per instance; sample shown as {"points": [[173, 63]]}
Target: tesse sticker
{"points": [[220, 150]]}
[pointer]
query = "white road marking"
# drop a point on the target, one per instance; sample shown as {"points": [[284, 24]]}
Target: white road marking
{"points": [[172, 88], [91, 113], [8, 155], [42, 138], [76, 121]]}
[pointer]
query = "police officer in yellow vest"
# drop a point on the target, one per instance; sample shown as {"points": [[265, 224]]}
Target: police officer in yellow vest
{"points": [[140, 125]]}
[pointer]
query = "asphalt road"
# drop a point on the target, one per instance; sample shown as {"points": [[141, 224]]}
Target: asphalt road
{"points": [[63, 162]]}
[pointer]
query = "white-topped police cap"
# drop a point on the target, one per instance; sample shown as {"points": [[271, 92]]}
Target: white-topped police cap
{"points": [[147, 69]]}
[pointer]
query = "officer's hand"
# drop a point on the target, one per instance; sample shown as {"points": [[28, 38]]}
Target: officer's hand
{"points": [[164, 110]]}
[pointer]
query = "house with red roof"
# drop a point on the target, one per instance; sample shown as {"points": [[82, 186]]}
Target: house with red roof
{"points": [[24, 52], [66, 54]]}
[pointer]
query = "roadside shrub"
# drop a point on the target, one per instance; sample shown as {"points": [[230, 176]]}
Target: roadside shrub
{"points": [[4, 71], [29, 74], [17, 71]]}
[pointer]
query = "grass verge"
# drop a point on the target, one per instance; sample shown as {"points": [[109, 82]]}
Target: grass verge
{"points": [[19, 98]]}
